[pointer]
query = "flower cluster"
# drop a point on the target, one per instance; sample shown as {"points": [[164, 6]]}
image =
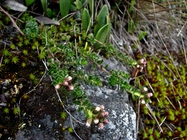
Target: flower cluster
{"points": [[142, 63], [148, 95], [66, 83], [100, 117]]}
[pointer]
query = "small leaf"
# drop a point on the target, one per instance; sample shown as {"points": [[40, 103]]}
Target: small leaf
{"points": [[63, 115], [142, 35], [46, 20], [85, 19], [64, 7], [102, 33], [70, 129]]}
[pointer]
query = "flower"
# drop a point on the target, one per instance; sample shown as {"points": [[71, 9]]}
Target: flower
{"points": [[102, 107], [57, 86], [96, 120], [65, 83], [88, 122], [97, 108], [101, 125], [105, 121], [69, 78], [70, 87]]}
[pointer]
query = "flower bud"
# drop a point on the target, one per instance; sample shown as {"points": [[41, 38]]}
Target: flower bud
{"points": [[106, 113], [65, 83], [96, 121], [142, 61], [142, 101], [101, 125], [149, 95], [101, 115], [88, 122], [97, 109], [102, 107], [145, 89], [105, 121], [70, 87], [69, 78], [57, 86]]}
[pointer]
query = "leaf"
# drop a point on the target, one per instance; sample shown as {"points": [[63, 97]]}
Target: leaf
{"points": [[44, 5], [142, 35], [79, 4], [13, 5], [85, 19], [102, 33], [91, 6], [46, 20], [101, 19], [29, 2], [64, 7]]}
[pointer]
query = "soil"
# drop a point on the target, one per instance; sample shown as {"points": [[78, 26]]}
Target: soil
{"points": [[39, 110]]}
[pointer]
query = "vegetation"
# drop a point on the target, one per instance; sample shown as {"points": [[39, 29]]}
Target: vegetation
{"points": [[157, 83]]}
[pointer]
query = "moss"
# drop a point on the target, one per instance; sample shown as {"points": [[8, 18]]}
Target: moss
{"points": [[169, 93]]}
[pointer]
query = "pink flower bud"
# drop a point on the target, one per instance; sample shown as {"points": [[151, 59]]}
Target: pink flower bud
{"points": [[96, 121], [106, 113], [141, 61], [65, 83], [101, 125], [57, 86], [101, 115], [105, 121], [149, 95], [102, 107], [70, 87], [69, 78]]}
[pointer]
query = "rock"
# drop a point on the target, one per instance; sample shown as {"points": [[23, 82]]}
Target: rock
{"points": [[41, 132]]}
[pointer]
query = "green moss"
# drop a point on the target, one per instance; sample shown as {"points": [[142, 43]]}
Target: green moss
{"points": [[15, 59]]}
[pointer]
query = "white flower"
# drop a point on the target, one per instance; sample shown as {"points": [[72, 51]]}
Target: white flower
{"points": [[57, 86], [88, 122]]}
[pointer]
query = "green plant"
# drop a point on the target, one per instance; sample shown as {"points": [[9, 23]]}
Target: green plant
{"points": [[31, 28]]}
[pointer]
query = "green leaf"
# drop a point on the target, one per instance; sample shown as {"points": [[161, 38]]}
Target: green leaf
{"points": [[29, 2], [91, 7], [142, 35], [64, 7], [79, 4], [101, 19], [44, 6], [103, 33], [85, 19]]}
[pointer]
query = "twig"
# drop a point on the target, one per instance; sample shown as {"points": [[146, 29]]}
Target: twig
{"points": [[14, 23]]}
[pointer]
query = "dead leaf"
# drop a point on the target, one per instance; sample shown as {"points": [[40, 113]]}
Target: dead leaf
{"points": [[46, 20], [14, 5]]}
